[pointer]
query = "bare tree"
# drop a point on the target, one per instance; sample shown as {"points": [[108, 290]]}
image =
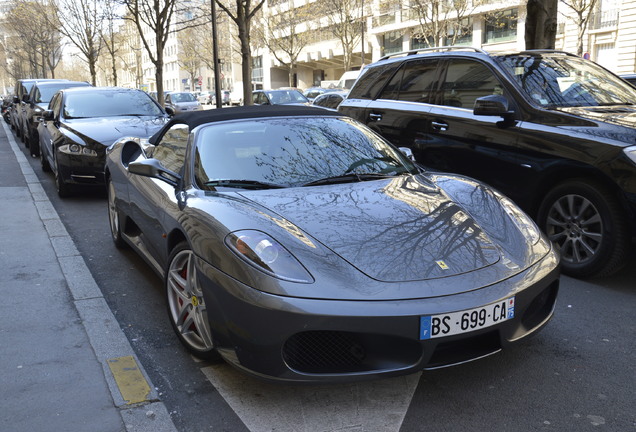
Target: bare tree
{"points": [[541, 24], [442, 20], [152, 19], [583, 13], [190, 53], [242, 13], [286, 33], [34, 41], [82, 23], [345, 18], [110, 37]]}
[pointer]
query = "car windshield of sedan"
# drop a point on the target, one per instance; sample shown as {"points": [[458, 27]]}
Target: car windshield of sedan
{"points": [[109, 104], [560, 82], [290, 152], [182, 97]]}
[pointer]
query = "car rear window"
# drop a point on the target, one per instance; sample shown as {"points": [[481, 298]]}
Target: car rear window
{"points": [[372, 80]]}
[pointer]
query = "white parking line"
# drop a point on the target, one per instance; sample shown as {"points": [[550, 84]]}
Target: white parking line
{"points": [[378, 406]]}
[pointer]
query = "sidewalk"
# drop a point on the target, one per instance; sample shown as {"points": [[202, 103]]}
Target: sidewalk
{"points": [[65, 365]]}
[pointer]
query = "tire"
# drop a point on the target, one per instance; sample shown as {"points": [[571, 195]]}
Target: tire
{"points": [[44, 162], [34, 146], [114, 217], [64, 190], [588, 225], [186, 307]]}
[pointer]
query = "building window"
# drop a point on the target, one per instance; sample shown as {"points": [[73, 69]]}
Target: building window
{"points": [[501, 26], [257, 69], [420, 42], [391, 42], [460, 33]]}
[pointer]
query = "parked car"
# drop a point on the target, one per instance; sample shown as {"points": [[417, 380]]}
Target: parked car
{"points": [[182, 102], [225, 97], [17, 111], [82, 121], [553, 131], [275, 215], [37, 102], [330, 100], [279, 97], [6, 106], [630, 78], [236, 96], [206, 98]]}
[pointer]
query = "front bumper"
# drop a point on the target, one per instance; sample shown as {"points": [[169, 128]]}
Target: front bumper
{"points": [[296, 339], [82, 169]]}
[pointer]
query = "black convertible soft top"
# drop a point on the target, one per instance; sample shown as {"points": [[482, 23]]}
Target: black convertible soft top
{"points": [[196, 118]]}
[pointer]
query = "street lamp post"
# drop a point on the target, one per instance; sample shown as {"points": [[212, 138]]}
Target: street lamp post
{"points": [[362, 33], [215, 58]]}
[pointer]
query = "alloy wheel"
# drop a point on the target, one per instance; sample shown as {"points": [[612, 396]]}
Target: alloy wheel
{"points": [[186, 305], [576, 226]]}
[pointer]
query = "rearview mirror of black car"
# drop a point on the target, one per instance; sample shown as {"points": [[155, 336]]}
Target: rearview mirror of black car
{"points": [[492, 105]]}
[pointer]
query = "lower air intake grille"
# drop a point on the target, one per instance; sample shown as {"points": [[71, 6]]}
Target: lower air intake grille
{"points": [[324, 352]]}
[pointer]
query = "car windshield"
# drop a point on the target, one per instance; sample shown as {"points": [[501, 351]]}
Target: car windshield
{"points": [[109, 104], [560, 82], [46, 92], [182, 97], [291, 152]]}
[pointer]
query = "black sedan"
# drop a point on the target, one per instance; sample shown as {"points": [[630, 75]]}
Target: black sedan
{"points": [[82, 122], [299, 245]]}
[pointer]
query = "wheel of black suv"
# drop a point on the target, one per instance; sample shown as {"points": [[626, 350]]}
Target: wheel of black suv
{"points": [[34, 146], [63, 188], [113, 216], [186, 306], [588, 225]]}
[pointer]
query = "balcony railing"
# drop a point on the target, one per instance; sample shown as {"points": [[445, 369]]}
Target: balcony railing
{"points": [[383, 20], [604, 20]]}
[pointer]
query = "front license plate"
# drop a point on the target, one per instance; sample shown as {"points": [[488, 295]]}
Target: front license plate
{"points": [[453, 323]]}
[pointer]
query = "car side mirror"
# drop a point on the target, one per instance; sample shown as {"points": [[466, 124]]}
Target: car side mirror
{"points": [[408, 153], [170, 111], [492, 105], [16, 99], [47, 115], [153, 168]]}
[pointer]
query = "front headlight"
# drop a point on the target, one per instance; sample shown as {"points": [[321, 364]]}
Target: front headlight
{"points": [[76, 149], [631, 153], [525, 224], [263, 252]]}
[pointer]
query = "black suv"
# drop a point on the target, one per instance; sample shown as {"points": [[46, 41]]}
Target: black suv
{"points": [[553, 131], [35, 104]]}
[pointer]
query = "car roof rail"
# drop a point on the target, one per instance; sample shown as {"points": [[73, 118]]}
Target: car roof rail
{"points": [[547, 51], [432, 49]]}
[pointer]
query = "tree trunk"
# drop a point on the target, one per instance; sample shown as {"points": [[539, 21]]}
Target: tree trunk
{"points": [[246, 66], [541, 24]]}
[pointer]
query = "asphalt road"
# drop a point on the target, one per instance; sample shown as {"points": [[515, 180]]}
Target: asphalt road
{"points": [[578, 374]]}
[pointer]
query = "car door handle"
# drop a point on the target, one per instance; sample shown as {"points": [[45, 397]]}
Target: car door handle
{"points": [[440, 126], [375, 117]]}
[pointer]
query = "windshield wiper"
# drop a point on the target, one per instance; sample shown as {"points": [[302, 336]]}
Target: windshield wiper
{"points": [[348, 178], [243, 184]]}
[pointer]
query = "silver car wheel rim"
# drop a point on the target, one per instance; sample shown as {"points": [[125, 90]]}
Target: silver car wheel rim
{"points": [[186, 304], [113, 216], [575, 225]]}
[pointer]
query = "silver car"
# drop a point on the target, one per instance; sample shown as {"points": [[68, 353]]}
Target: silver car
{"points": [[182, 102]]}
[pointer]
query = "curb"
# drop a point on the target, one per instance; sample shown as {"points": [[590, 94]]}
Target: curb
{"points": [[139, 405]]}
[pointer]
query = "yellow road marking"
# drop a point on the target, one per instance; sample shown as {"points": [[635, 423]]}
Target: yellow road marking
{"points": [[132, 384]]}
